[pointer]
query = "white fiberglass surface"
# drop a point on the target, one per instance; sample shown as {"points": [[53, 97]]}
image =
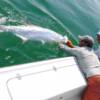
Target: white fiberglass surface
{"points": [[43, 80]]}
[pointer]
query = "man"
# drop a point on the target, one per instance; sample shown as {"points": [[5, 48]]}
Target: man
{"points": [[89, 65], [98, 40]]}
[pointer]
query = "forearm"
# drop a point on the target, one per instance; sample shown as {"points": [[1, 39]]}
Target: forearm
{"points": [[66, 48]]}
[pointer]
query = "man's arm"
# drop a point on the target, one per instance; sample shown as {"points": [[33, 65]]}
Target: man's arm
{"points": [[68, 49], [66, 41]]}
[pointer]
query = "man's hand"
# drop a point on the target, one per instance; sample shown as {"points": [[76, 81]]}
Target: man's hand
{"points": [[69, 44]]}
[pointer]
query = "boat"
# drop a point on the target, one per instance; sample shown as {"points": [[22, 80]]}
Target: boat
{"points": [[55, 79]]}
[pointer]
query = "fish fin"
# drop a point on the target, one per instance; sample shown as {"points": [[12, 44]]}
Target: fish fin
{"points": [[1, 31], [42, 41], [24, 39]]}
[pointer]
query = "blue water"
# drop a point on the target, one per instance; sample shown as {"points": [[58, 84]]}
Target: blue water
{"points": [[67, 17]]}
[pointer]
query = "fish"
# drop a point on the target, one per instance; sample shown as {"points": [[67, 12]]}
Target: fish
{"points": [[32, 32]]}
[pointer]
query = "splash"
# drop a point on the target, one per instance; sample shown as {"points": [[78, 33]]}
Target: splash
{"points": [[3, 20]]}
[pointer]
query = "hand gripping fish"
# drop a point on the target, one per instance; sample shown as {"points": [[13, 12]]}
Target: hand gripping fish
{"points": [[34, 33]]}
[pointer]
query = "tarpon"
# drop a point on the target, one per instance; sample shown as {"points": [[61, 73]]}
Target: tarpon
{"points": [[32, 32]]}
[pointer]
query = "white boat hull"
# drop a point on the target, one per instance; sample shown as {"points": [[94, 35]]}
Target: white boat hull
{"points": [[57, 79]]}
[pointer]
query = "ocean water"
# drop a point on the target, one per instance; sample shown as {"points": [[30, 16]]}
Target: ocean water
{"points": [[66, 17]]}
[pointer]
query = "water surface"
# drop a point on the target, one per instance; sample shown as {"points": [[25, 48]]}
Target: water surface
{"points": [[67, 17]]}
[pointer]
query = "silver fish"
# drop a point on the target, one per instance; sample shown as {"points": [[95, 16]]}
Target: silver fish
{"points": [[32, 32]]}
